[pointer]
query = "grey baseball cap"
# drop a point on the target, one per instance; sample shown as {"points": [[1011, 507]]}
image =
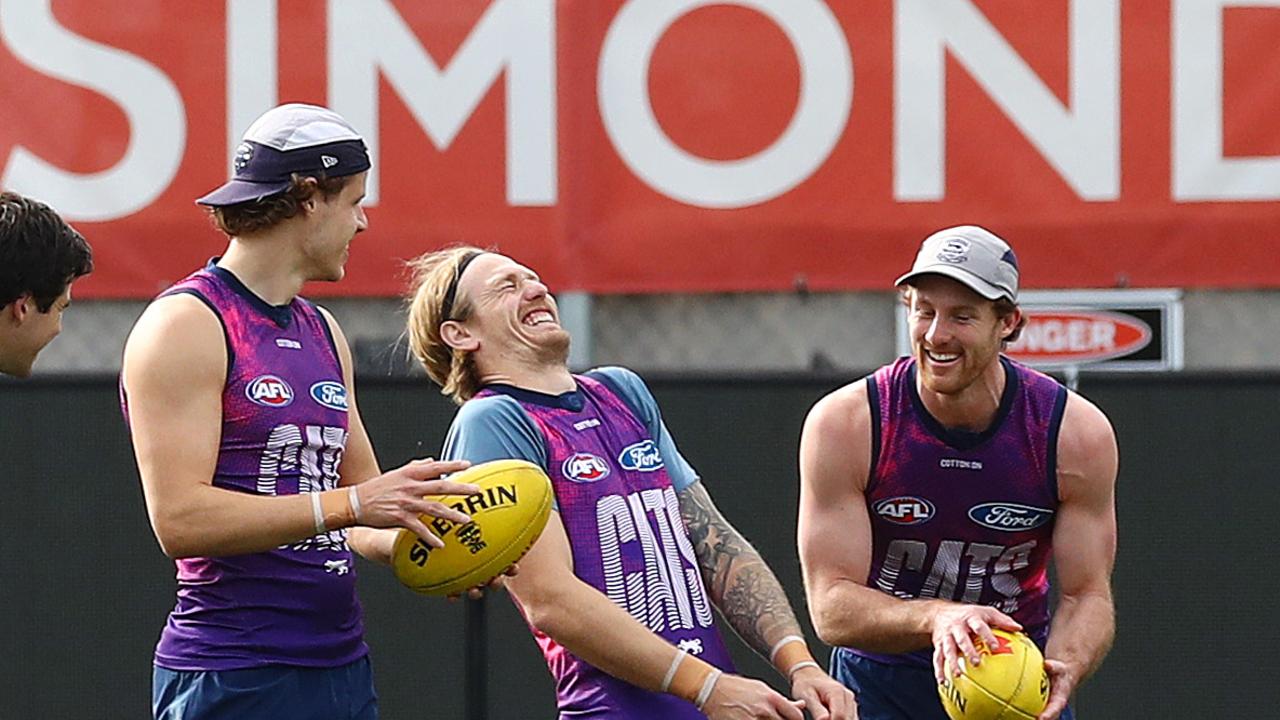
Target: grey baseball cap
{"points": [[972, 255], [293, 138]]}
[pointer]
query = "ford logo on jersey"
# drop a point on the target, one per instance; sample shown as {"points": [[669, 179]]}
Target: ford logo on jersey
{"points": [[642, 456], [1009, 517], [904, 510], [330, 394], [585, 468], [270, 391]]}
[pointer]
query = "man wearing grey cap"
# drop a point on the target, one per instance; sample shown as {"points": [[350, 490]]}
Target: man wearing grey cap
{"points": [[258, 475], [935, 491]]}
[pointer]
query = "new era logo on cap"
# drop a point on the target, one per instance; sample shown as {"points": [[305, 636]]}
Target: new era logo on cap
{"points": [[972, 255], [289, 139]]}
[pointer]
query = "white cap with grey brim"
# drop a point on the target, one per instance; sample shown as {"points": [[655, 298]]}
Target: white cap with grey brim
{"points": [[971, 255]]}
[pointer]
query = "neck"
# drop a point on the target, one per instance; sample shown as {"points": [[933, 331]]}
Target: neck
{"points": [[974, 408], [263, 264], [551, 379]]}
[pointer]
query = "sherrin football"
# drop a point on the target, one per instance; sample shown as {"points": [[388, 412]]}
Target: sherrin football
{"points": [[507, 516], [1009, 684]]}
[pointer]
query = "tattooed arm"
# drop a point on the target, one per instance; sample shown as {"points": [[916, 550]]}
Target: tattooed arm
{"points": [[741, 586], [751, 599]]}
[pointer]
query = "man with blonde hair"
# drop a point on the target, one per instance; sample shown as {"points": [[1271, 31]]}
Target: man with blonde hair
{"points": [[619, 588]]}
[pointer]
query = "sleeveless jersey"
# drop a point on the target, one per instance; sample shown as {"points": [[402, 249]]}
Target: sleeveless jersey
{"points": [[629, 541], [960, 515], [284, 428]]}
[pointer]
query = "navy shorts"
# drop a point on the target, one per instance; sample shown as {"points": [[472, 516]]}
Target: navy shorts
{"points": [[888, 691], [274, 692]]}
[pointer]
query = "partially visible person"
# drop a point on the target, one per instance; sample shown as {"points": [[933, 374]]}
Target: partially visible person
{"points": [[258, 475], [40, 257], [619, 588], [934, 493]]}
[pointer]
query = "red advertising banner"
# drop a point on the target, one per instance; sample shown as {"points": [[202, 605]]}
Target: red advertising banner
{"points": [[680, 145]]}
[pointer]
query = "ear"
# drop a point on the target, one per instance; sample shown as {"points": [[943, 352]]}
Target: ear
{"points": [[20, 309], [457, 336], [1010, 322], [311, 203]]}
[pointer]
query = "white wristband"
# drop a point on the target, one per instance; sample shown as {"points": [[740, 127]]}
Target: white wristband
{"points": [[671, 671], [317, 514], [708, 685], [355, 503], [791, 671], [773, 654]]}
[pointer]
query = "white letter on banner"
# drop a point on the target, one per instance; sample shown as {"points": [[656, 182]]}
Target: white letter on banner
{"points": [[150, 103], [518, 36], [1200, 172], [826, 94], [1081, 143], [252, 72]]}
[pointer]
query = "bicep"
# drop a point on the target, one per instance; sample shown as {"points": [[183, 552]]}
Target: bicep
{"points": [[173, 373], [835, 449], [1084, 533]]}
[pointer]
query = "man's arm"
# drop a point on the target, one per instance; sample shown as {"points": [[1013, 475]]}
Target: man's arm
{"points": [[580, 618], [751, 599], [1084, 550], [834, 537], [359, 462], [175, 366]]}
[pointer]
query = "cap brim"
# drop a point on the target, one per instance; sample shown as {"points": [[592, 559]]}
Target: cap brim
{"points": [[235, 192], [973, 282]]}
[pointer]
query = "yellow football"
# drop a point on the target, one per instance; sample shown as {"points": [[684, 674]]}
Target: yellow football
{"points": [[1009, 684], [506, 518]]}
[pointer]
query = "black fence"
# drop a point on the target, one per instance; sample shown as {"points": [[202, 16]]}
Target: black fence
{"points": [[84, 588]]}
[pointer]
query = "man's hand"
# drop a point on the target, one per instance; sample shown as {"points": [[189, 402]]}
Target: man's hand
{"points": [[740, 698], [497, 583], [824, 697], [1062, 682], [953, 629], [397, 498]]}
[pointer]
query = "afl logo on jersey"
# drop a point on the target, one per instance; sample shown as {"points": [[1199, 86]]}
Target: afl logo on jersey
{"points": [[270, 391], [1009, 517], [904, 510], [330, 394], [585, 468], [642, 456]]}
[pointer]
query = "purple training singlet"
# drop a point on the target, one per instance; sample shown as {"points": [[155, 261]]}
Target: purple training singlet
{"points": [[959, 515], [629, 541], [284, 428]]}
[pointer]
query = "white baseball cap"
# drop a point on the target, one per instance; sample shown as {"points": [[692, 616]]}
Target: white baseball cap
{"points": [[292, 138], [972, 255]]}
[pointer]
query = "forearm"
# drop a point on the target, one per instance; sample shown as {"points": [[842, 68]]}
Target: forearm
{"points": [[751, 599], [739, 582], [849, 614], [601, 633], [1081, 633], [206, 521]]}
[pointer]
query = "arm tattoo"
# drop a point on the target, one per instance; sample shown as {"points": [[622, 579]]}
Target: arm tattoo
{"points": [[741, 586]]}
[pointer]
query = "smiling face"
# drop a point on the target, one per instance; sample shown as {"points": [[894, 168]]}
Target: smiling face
{"points": [[956, 334], [334, 221], [510, 316]]}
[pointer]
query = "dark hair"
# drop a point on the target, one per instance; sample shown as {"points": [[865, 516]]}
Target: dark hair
{"points": [[40, 254], [250, 217]]}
